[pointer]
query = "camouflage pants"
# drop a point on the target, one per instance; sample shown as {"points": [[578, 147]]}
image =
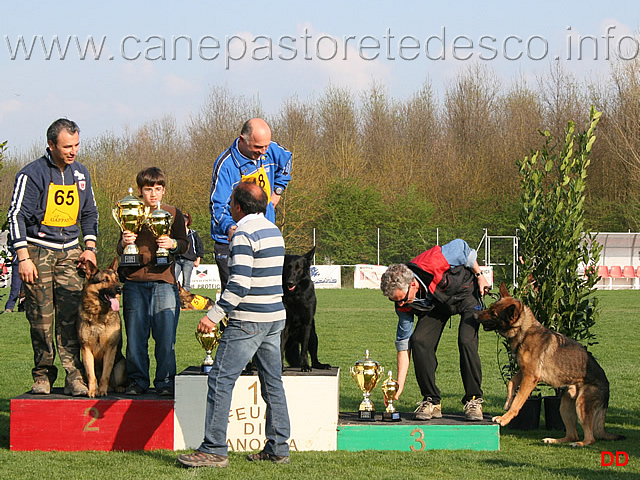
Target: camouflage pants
{"points": [[51, 306]]}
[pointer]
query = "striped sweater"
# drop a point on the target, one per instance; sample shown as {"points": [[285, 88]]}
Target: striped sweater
{"points": [[254, 290]]}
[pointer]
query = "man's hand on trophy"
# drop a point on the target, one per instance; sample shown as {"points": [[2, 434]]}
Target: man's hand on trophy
{"points": [[128, 238], [205, 325], [164, 241]]}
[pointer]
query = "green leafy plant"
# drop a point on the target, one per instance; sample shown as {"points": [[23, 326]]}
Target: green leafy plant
{"points": [[558, 273]]}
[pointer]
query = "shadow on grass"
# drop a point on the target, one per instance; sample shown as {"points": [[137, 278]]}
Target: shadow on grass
{"points": [[562, 470]]}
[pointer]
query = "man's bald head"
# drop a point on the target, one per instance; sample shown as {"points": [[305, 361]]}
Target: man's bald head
{"points": [[255, 138]]}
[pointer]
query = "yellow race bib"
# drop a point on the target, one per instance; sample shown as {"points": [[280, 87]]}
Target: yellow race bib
{"points": [[199, 302], [63, 205], [260, 178]]}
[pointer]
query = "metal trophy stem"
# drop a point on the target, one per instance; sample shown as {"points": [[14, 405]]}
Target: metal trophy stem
{"points": [[130, 215], [209, 341], [160, 222], [366, 373], [390, 390]]}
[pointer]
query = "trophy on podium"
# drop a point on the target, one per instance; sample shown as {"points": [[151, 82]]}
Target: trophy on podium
{"points": [[366, 373], [209, 341], [390, 389], [160, 222], [129, 214]]}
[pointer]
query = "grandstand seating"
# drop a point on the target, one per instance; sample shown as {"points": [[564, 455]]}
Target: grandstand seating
{"points": [[629, 273]]}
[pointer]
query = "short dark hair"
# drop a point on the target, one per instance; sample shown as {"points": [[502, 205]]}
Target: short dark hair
{"points": [[250, 197], [61, 124], [149, 177]]}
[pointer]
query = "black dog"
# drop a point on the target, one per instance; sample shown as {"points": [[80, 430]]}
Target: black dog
{"points": [[299, 336]]}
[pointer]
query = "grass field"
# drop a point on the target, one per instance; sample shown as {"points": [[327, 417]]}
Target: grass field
{"points": [[348, 322]]}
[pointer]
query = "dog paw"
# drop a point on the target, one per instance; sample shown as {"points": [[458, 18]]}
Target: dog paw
{"points": [[500, 420], [321, 366], [550, 440], [305, 368]]}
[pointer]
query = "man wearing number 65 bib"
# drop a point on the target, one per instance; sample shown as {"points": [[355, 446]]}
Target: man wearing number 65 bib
{"points": [[52, 202], [252, 158]]}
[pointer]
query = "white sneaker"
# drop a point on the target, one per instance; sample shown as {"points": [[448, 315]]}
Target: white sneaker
{"points": [[473, 410], [427, 410]]}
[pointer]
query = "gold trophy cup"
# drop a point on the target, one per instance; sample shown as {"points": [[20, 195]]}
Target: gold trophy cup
{"points": [[160, 222], [390, 389], [366, 373], [129, 214], [209, 341]]}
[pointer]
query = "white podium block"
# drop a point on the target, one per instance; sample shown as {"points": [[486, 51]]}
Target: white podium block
{"points": [[312, 400]]}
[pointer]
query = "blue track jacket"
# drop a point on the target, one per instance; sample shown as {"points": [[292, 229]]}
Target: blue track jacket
{"points": [[229, 168]]}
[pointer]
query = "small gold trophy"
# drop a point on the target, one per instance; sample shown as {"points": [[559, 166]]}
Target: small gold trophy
{"points": [[129, 214], [366, 373], [160, 222], [390, 389], [209, 341]]}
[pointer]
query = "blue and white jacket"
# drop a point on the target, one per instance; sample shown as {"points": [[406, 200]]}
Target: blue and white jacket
{"points": [[229, 168], [254, 291], [29, 202]]}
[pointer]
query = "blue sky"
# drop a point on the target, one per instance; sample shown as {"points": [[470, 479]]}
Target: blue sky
{"points": [[313, 45]]}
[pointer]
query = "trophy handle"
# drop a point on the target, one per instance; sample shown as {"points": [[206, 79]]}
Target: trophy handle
{"points": [[114, 212]]}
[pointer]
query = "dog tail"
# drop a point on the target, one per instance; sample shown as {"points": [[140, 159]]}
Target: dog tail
{"points": [[599, 431]]}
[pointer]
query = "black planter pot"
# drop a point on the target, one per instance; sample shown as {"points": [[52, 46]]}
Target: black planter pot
{"points": [[552, 417], [529, 416]]}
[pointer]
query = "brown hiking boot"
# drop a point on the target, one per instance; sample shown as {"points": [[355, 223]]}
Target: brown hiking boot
{"points": [[203, 459], [76, 388], [260, 456], [41, 386]]}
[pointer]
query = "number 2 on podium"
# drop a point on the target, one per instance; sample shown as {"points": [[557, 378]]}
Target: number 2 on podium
{"points": [[94, 414]]}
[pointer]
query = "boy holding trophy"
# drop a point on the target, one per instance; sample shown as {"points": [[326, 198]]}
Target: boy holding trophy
{"points": [[151, 303]]}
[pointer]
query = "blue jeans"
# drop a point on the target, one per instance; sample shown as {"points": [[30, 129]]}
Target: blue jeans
{"points": [[186, 267], [151, 307], [240, 342]]}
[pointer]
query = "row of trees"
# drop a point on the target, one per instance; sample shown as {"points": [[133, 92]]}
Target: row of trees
{"points": [[364, 160]]}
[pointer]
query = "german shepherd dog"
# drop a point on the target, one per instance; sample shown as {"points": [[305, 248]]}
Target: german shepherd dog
{"points": [[100, 330], [547, 356], [190, 301], [299, 338]]}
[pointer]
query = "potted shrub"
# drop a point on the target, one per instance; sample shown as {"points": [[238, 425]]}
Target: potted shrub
{"points": [[554, 250]]}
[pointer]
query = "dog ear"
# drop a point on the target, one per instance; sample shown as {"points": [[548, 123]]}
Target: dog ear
{"points": [[503, 291], [309, 255], [509, 313], [114, 264]]}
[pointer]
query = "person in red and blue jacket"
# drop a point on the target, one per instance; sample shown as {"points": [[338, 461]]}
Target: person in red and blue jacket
{"points": [[252, 158], [438, 283]]}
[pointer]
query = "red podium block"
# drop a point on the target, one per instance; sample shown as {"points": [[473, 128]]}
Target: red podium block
{"points": [[115, 422]]}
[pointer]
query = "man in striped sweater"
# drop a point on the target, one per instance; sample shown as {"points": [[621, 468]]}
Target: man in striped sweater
{"points": [[253, 303]]}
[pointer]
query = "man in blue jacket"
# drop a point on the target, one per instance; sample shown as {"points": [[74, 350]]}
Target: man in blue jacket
{"points": [[253, 158], [51, 196]]}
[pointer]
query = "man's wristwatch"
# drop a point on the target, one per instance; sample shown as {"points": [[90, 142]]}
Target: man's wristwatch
{"points": [[93, 249], [278, 190]]}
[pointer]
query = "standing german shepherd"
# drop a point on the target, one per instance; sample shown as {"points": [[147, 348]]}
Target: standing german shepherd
{"points": [[100, 331], [299, 338], [547, 356]]}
